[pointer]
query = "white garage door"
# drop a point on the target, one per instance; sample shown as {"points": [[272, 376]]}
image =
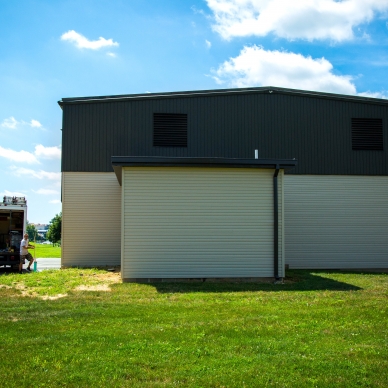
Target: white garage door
{"points": [[198, 222]]}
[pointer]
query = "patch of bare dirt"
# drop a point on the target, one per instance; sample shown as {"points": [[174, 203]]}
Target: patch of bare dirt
{"points": [[98, 287], [53, 297], [110, 277], [26, 292], [21, 287]]}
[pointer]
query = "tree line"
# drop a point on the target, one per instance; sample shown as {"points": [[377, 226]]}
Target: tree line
{"points": [[54, 232]]}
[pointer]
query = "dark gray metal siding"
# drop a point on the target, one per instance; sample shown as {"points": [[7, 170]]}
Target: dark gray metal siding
{"points": [[316, 131]]}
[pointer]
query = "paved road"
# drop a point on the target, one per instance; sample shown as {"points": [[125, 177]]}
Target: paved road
{"points": [[46, 263]]}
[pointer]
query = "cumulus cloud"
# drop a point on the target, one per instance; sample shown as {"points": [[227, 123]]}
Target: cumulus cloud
{"points": [[208, 44], [383, 95], [55, 201], [47, 152], [12, 123], [46, 191], [82, 42], [35, 124], [18, 156], [302, 19], [27, 157], [255, 66], [21, 171]]}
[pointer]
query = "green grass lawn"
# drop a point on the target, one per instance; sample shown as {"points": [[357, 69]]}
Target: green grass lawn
{"points": [[319, 329], [46, 250]]}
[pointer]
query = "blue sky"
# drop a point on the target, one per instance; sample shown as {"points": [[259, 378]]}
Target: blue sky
{"points": [[51, 49]]}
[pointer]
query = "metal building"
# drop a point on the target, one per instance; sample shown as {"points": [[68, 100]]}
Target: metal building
{"points": [[168, 185]]}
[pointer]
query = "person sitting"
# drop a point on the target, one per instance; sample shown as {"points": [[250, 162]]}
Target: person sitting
{"points": [[24, 254]]}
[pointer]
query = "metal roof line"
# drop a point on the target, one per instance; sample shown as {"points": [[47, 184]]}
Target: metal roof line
{"points": [[196, 93]]}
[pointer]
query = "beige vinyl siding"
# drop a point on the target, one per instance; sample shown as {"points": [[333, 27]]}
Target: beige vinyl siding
{"points": [[198, 222], [91, 225], [336, 221]]}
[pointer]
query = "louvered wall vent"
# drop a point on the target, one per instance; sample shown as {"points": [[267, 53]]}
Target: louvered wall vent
{"points": [[367, 134], [170, 130]]}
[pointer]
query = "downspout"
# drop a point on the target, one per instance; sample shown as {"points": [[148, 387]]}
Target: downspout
{"points": [[276, 224]]}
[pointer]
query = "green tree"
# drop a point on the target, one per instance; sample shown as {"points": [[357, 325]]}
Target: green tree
{"points": [[32, 231], [54, 232]]}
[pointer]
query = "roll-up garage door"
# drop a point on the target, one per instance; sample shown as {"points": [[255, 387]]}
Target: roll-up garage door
{"points": [[193, 222], [336, 221]]}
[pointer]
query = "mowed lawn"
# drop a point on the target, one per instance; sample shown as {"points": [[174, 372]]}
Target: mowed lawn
{"points": [[83, 328], [46, 250]]}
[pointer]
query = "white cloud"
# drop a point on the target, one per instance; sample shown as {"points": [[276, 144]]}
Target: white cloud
{"points": [[198, 11], [255, 66], [47, 152], [10, 123], [12, 194], [81, 42], [55, 201], [302, 19], [383, 95], [208, 44], [46, 191], [18, 156], [31, 158], [35, 124], [113, 55], [20, 171]]}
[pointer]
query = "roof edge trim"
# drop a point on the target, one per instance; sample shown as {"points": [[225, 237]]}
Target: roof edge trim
{"points": [[118, 162], [212, 92]]}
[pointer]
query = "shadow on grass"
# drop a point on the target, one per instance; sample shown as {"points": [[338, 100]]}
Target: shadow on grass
{"points": [[294, 281], [8, 270]]}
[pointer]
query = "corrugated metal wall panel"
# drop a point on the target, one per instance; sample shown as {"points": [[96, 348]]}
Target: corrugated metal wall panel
{"points": [[311, 129], [91, 224], [336, 221], [197, 222]]}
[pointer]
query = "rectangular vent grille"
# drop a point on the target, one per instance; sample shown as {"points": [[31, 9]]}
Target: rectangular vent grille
{"points": [[170, 130], [367, 134]]}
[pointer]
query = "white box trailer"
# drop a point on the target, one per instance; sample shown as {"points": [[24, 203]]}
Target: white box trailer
{"points": [[13, 223]]}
